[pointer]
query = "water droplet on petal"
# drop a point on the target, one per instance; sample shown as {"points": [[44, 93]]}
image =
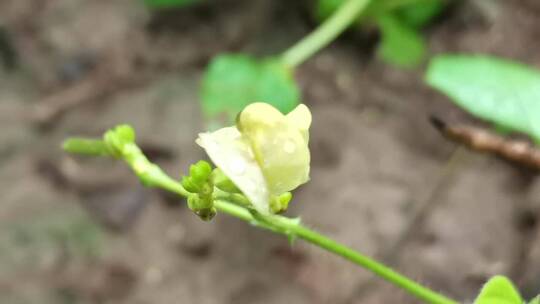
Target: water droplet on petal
{"points": [[237, 166], [289, 147]]}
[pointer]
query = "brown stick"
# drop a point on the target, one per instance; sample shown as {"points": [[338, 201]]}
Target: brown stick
{"points": [[517, 151]]}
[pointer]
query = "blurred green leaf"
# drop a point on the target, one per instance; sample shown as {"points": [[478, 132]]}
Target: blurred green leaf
{"points": [[234, 81], [400, 45], [501, 91], [415, 13], [169, 3], [399, 21], [419, 14], [536, 300], [498, 290], [325, 8]]}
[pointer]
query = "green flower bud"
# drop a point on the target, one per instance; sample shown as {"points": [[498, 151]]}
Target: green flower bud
{"points": [[193, 202], [125, 133], [189, 185], [279, 204], [199, 179], [206, 190], [115, 139], [199, 183], [203, 206], [207, 214], [200, 171], [114, 146]]}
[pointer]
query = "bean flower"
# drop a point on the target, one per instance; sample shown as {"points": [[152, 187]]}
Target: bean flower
{"points": [[265, 155]]}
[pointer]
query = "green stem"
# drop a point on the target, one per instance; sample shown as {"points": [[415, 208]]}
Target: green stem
{"points": [[385, 272], [292, 228], [324, 34], [236, 198], [152, 175]]}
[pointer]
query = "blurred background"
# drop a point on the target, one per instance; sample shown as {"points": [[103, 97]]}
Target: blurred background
{"points": [[79, 230]]}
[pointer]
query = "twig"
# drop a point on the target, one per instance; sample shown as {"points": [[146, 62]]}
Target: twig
{"points": [[517, 151]]}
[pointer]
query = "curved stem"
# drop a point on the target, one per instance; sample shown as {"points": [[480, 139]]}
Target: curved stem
{"points": [[238, 199], [292, 228], [413, 288], [152, 175], [324, 34]]}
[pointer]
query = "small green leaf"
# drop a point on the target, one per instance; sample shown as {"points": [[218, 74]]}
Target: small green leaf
{"points": [[400, 45], [234, 81], [169, 3], [499, 290], [504, 92], [85, 146]]}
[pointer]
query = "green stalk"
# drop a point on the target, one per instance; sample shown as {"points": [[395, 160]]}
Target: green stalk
{"points": [[233, 204], [383, 271], [286, 226], [324, 34], [290, 227]]}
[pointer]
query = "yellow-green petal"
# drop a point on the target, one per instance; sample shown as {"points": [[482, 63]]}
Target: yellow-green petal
{"points": [[232, 154], [279, 143], [300, 117]]}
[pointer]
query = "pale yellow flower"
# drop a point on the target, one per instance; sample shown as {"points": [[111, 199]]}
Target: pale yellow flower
{"points": [[265, 154]]}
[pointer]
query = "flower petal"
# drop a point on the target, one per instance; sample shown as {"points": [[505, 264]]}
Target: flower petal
{"points": [[232, 154], [301, 118], [280, 144]]}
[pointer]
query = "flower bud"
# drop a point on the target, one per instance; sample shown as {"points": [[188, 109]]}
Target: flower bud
{"points": [[189, 185], [279, 204], [200, 171], [203, 206], [115, 139]]}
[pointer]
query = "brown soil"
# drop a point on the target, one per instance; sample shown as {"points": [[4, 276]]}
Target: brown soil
{"points": [[383, 180]]}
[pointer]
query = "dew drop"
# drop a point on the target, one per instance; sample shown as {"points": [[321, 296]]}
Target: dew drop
{"points": [[238, 166], [289, 147]]}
